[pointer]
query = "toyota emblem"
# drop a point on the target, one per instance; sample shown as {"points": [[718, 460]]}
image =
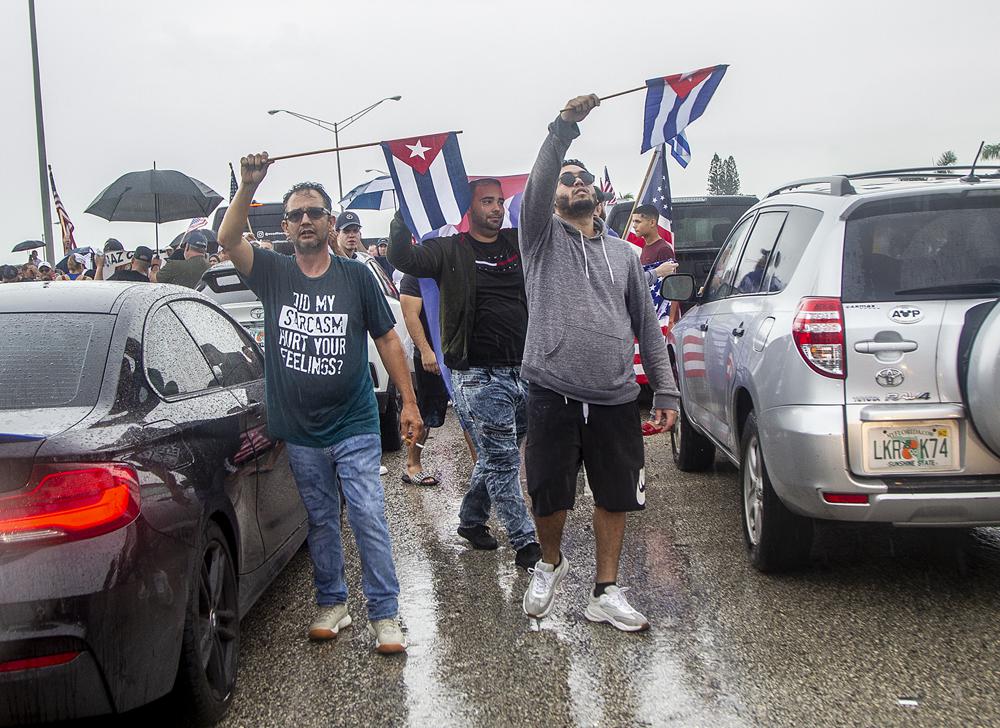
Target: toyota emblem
{"points": [[890, 377]]}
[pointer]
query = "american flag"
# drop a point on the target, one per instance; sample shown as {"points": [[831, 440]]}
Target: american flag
{"points": [[233, 186], [69, 243], [656, 192], [196, 223], [608, 189]]}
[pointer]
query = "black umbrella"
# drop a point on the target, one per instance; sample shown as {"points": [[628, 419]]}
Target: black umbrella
{"points": [[155, 195], [27, 245]]}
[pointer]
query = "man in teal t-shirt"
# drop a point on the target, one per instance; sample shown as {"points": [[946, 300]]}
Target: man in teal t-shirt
{"points": [[318, 311]]}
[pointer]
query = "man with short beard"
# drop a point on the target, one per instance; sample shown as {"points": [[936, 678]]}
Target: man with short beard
{"points": [[587, 301], [484, 318], [318, 311]]}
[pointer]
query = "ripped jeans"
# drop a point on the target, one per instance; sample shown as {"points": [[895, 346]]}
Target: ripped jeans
{"points": [[491, 403]]}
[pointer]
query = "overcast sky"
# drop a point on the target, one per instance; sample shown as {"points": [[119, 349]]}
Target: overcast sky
{"points": [[812, 88]]}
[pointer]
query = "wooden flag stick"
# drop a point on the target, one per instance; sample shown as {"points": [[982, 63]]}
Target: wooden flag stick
{"points": [[620, 93], [333, 149]]}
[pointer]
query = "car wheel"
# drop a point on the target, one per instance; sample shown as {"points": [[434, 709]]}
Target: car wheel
{"points": [[389, 421], [776, 538], [692, 451], [210, 644]]}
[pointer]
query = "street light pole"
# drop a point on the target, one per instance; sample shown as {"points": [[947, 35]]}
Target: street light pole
{"points": [[336, 127], [43, 178]]}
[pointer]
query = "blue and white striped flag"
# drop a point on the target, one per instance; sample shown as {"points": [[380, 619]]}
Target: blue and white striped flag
{"points": [[429, 177], [377, 194], [680, 149]]}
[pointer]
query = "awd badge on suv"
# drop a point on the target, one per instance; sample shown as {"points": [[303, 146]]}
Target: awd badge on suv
{"points": [[890, 377]]}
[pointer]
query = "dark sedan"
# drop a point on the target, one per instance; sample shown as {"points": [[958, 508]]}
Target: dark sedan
{"points": [[143, 508]]}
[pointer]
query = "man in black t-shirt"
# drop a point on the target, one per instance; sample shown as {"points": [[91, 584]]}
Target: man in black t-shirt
{"points": [[484, 319], [138, 271]]}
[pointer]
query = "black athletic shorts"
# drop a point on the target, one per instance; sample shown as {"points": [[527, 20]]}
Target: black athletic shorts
{"points": [[432, 395], [605, 439]]}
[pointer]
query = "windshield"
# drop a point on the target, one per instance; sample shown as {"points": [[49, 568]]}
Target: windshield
{"points": [[52, 359], [922, 247]]}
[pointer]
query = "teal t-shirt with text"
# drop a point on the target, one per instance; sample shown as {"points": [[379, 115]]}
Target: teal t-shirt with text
{"points": [[317, 381]]}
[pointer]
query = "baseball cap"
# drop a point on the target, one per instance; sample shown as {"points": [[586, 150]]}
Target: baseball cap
{"points": [[9, 271], [348, 218], [45, 264], [144, 254], [197, 240]]}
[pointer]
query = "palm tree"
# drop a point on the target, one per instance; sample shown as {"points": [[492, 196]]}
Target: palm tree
{"points": [[946, 159], [991, 151]]}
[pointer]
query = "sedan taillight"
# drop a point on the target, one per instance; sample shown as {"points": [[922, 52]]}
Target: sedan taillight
{"points": [[818, 331], [71, 502]]}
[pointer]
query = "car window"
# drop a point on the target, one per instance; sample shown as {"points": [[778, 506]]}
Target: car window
{"points": [[758, 249], [719, 283], [918, 242], [173, 363], [49, 359], [233, 357], [798, 230], [704, 225]]}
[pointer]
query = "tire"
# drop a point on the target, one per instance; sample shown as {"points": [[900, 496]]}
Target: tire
{"points": [[692, 451], [392, 441], [776, 538], [206, 677]]}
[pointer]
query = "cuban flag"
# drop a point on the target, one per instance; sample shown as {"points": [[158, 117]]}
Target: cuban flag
{"points": [[656, 192], [429, 177], [377, 194], [673, 102], [680, 149], [512, 187]]}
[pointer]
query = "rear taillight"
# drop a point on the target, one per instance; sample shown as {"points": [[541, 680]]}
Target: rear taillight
{"points": [[71, 502], [818, 332], [33, 663]]}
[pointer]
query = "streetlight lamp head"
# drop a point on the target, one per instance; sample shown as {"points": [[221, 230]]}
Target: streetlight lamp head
{"points": [[395, 98], [273, 111]]}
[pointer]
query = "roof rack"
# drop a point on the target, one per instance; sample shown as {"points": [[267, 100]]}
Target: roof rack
{"points": [[840, 185]]}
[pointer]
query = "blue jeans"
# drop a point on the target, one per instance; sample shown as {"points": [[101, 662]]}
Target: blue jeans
{"points": [[356, 460], [490, 402]]}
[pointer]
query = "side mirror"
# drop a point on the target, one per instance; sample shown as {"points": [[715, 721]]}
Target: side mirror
{"points": [[678, 287]]}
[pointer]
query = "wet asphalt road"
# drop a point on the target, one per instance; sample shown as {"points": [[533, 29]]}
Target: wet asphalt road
{"points": [[887, 627]]}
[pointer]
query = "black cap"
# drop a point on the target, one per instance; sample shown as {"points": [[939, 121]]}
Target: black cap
{"points": [[112, 244], [197, 240], [8, 271], [144, 254], [348, 218]]}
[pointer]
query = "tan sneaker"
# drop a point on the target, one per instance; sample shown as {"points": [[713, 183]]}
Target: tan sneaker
{"points": [[388, 635], [329, 621]]}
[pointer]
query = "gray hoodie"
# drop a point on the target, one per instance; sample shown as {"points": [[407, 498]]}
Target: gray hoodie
{"points": [[587, 299]]}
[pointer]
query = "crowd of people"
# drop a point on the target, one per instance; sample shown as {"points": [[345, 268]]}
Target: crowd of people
{"points": [[528, 364]]}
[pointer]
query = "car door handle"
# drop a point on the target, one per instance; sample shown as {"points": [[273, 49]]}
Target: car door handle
{"points": [[703, 327], [873, 347], [738, 332]]}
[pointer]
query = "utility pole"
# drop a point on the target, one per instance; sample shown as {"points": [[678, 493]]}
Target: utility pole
{"points": [[43, 176]]}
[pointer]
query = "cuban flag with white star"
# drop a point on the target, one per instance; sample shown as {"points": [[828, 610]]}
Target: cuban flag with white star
{"points": [[430, 181], [673, 102]]}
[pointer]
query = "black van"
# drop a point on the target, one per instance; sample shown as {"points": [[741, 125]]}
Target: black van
{"points": [[700, 226]]}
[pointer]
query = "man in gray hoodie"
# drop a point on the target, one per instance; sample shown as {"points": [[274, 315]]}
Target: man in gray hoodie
{"points": [[587, 300]]}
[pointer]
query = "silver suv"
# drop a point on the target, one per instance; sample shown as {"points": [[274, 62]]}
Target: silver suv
{"points": [[844, 353]]}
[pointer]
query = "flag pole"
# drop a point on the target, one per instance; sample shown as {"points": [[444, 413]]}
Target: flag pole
{"points": [[612, 96], [332, 149], [635, 200]]}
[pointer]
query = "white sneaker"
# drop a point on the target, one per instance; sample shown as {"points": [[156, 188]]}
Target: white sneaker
{"points": [[329, 621], [613, 608], [540, 594], [388, 635]]}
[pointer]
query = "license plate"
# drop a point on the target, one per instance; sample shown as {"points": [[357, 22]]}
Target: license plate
{"points": [[911, 447]]}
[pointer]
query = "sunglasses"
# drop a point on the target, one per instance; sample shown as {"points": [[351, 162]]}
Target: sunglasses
{"points": [[569, 179], [314, 213]]}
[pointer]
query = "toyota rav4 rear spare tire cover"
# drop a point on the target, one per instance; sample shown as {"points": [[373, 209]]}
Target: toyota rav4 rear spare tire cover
{"points": [[979, 367]]}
